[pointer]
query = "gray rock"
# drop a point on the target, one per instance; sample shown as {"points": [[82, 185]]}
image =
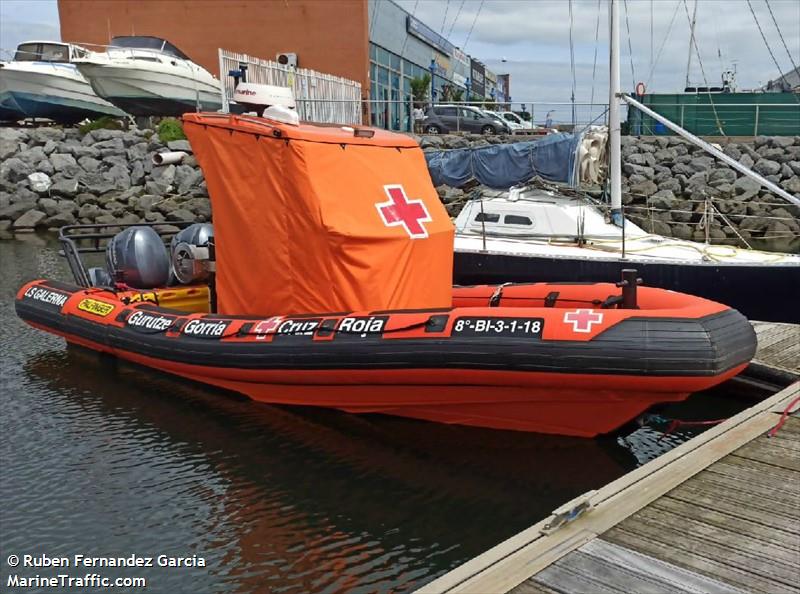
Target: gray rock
{"points": [[126, 195], [732, 151], [119, 177], [60, 219], [630, 169], [143, 203], [65, 187], [49, 147], [15, 169], [155, 188], [760, 141], [645, 188], [137, 151], [453, 142], [105, 219], [65, 163], [153, 216], [793, 185], [666, 155], [79, 151], [13, 211], [89, 163], [96, 183], [42, 135], [67, 206], [190, 182], [8, 148], [179, 145], [681, 231], [672, 184], [199, 206], [89, 211], [49, 206], [32, 156], [164, 174], [720, 176], [86, 198], [432, 142], [767, 167], [701, 163], [181, 214], [114, 146], [30, 220], [786, 171], [781, 141], [115, 208], [635, 159], [747, 160], [770, 153], [103, 134]]}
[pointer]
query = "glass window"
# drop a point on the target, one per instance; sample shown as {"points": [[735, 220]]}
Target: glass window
{"points": [[447, 111], [517, 220], [42, 52], [383, 76], [384, 58], [372, 71], [395, 81], [373, 52], [487, 217], [395, 62]]}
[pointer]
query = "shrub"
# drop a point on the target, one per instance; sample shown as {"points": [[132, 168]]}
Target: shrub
{"points": [[101, 123], [170, 129]]}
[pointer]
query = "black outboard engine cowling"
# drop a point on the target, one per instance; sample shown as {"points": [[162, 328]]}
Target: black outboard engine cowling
{"points": [[137, 257]]}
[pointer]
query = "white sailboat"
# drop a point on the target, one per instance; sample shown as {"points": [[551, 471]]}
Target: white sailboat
{"points": [[531, 235], [149, 76], [42, 81]]}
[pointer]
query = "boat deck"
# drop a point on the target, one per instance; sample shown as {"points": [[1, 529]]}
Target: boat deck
{"points": [[719, 513]]}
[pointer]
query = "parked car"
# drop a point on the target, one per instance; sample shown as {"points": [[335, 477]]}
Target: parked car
{"points": [[512, 118], [443, 119], [512, 124]]}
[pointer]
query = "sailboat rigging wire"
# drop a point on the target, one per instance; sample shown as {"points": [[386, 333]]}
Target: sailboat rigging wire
{"points": [[596, 44], [572, 64], [475, 20], [630, 47], [444, 20], [780, 34], [455, 20], [693, 41], [405, 40], [769, 49], [663, 42]]}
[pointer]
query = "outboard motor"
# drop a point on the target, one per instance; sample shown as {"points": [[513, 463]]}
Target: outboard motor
{"points": [[137, 257], [190, 257]]}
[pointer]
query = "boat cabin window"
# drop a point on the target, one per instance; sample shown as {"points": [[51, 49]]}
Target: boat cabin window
{"points": [[487, 217], [42, 52], [151, 43], [517, 220]]}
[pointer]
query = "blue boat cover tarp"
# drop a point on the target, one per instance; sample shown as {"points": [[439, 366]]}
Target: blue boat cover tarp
{"points": [[501, 166]]}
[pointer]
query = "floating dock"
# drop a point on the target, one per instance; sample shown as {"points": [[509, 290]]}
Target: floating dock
{"points": [[719, 513]]}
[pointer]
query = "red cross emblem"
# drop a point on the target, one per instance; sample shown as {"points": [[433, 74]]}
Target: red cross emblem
{"points": [[582, 319], [399, 210], [265, 327]]}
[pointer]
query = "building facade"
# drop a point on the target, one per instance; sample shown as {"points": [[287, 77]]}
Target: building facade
{"points": [[374, 42]]}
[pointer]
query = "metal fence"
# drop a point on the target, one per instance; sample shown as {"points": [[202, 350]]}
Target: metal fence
{"points": [[319, 97], [721, 119]]}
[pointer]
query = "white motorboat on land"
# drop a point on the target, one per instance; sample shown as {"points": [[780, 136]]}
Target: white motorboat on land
{"points": [[531, 235], [42, 81], [149, 76]]}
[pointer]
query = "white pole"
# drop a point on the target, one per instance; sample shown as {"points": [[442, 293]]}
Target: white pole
{"points": [[615, 161], [717, 153]]}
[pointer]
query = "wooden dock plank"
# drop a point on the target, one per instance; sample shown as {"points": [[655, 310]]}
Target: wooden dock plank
{"points": [[757, 530], [630, 571], [532, 587], [751, 509], [705, 565], [771, 453]]}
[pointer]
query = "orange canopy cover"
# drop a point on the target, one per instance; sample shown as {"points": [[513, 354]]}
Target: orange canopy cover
{"points": [[309, 219]]}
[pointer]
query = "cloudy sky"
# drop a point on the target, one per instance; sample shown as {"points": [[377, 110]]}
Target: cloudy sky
{"points": [[533, 37]]}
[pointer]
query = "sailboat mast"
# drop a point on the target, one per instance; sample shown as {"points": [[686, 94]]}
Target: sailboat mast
{"points": [[615, 162], [691, 43]]}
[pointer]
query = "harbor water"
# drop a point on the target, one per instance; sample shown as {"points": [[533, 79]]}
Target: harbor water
{"points": [[101, 458]]}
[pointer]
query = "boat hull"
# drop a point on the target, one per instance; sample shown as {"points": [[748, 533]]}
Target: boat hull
{"points": [[422, 364], [759, 291], [54, 91], [145, 93]]}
